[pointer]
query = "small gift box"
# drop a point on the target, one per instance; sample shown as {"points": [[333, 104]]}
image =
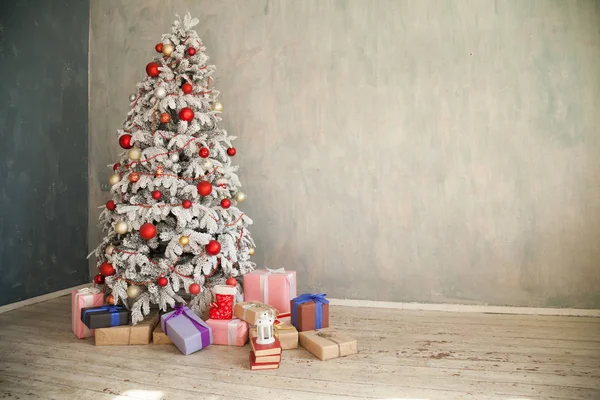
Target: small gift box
{"points": [[140, 333], [275, 287], [187, 331], [249, 310], [328, 343], [105, 316], [159, 337], [222, 308], [232, 332], [310, 312], [83, 298], [286, 333]]}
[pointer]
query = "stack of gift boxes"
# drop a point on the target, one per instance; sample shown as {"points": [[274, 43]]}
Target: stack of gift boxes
{"points": [[298, 320]]}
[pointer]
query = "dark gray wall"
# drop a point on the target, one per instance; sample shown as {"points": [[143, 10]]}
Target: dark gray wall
{"points": [[43, 146], [426, 150]]}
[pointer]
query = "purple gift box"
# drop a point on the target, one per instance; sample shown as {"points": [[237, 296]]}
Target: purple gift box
{"points": [[186, 330]]}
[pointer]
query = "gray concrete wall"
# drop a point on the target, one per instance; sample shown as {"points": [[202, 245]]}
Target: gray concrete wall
{"points": [[43, 146], [435, 151]]}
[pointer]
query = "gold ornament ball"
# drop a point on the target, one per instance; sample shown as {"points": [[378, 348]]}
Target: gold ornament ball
{"points": [[168, 49], [217, 106], [184, 240], [251, 251], [240, 197], [121, 227], [133, 291], [114, 179], [109, 250], [135, 154]]}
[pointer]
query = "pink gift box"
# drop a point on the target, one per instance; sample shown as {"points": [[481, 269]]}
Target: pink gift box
{"points": [[231, 332], [82, 298], [275, 287]]}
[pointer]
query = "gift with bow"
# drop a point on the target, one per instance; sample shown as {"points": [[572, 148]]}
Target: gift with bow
{"points": [[310, 312], [187, 330], [232, 332], [250, 310], [105, 316], [275, 287], [83, 298], [328, 343]]}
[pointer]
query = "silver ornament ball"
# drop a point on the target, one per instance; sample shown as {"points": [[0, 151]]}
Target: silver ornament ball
{"points": [[240, 197], [109, 250], [206, 164], [160, 92], [174, 157], [133, 291], [132, 97]]}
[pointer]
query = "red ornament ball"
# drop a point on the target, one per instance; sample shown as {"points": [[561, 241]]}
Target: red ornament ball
{"points": [[162, 281], [165, 118], [186, 204], [191, 51], [186, 114], [110, 299], [116, 166], [99, 279], [194, 288], [204, 152], [148, 231], [110, 205], [156, 195], [225, 203], [106, 269], [125, 141], [231, 151], [187, 88], [231, 281], [158, 48], [134, 177], [152, 69], [213, 248], [204, 188]]}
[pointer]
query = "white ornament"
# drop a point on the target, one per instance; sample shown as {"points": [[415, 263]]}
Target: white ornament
{"points": [[160, 92], [264, 328], [132, 97], [206, 164], [109, 250], [134, 154], [121, 227], [174, 157], [221, 182]]}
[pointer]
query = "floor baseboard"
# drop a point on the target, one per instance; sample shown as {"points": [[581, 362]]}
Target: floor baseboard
{"points": [[39, 299], [444, 307], [465, 308]]}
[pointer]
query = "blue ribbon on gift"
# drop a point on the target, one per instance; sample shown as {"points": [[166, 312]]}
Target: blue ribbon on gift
{"points": [[115, 318], [319, 300], [203, 329]]}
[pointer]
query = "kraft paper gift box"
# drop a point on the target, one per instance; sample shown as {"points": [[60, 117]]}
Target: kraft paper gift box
{"points": [[159, 337], [187, 330], [83, 298], [286, 333], [105, 316], [310, 312], [249, 311], [328, 343], [275, 287], [229, 332], [140, 333]]}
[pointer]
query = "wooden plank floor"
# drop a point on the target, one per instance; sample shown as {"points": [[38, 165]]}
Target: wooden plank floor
{"points": [[402, 355]]}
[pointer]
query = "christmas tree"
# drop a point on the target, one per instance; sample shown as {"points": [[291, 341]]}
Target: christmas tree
{"points": [[173, 226]]}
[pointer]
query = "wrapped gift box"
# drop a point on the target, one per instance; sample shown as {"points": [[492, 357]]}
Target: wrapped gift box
{"points": [[83, 298], [159, 337], [232, 332], [187, 330], [310, 312], [105, 316], [249, 310], [328, 343], [140, 333], [273, 287], [286, 333]]}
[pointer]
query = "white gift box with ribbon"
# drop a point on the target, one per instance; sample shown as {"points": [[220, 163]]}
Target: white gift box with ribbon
{"points": [[275, 287]]}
